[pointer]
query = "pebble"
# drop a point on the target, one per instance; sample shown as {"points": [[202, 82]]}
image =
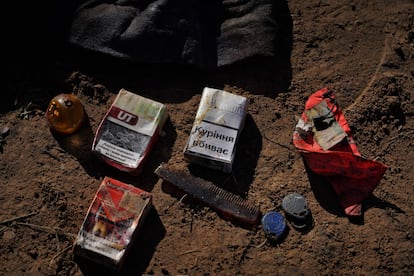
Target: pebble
{"points": [[9, 235]]}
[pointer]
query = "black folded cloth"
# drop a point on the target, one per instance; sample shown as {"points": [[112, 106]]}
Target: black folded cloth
{"points": [[204, 33]]}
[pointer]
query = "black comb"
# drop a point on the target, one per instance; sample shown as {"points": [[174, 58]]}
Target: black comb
{"points": [[229, 205]]}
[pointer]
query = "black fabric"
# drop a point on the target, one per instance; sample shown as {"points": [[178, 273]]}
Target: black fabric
{"points": [[205, 33]]}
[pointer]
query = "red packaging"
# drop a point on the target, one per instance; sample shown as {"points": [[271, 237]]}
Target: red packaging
{"points": [[129, 130], [326, 144], [117, 212]]}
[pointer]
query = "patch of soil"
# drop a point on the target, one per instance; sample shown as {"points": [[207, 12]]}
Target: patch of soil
{"points": [[362, 50]]}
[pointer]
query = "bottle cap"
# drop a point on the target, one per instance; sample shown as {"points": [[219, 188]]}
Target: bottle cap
{"points": [[296, 210], [273, 225]]}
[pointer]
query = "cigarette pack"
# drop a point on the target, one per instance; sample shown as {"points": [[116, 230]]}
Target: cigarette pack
{"points": [[219, 121], [129, 130], [113, 220]]}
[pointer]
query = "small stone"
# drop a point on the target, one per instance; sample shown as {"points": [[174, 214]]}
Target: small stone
{"points": [[9, 235], [4, 131]]}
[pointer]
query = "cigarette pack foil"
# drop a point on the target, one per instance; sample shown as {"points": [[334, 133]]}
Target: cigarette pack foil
{"points": [[113, 220], [219, 121], [129, 130]]}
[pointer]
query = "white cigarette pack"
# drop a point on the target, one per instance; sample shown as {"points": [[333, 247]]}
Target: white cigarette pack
{"points": [[217, 126]]}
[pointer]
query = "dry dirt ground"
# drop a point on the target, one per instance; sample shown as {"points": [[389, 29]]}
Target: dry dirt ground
{"points": [[362, 50]]}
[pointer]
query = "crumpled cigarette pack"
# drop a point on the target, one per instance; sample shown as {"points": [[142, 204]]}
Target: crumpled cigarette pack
{"points": [[129, 130], [217, 126], [112, 222]]}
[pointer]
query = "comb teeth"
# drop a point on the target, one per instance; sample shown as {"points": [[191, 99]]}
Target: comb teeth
{"points": [[228, 204]]}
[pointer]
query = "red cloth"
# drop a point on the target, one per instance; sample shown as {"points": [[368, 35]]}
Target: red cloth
{"points": [[352, 176]]}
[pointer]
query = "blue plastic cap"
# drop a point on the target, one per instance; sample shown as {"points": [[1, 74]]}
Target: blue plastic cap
{"points": [[273, 225]]}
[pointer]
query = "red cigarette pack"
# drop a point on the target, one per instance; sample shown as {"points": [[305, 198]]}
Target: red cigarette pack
{"points": [[129, 130], [113, 220]]}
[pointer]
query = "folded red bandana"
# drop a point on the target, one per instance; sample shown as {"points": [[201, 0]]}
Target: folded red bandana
{"points": [[324, 139]]}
